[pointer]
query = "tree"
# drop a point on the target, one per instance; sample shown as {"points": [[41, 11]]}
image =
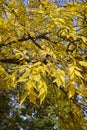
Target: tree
{"points": [[43, 54]]}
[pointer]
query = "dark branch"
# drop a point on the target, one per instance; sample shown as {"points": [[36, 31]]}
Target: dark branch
{"points": [[41, 36], [81, 28], [11, 61], [20, 62], [22, 40]]}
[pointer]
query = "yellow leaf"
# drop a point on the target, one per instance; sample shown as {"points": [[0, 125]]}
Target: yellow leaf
{"points": [[2, 69], [22, 79], [58, 81], [32, 92], [71, 91], [82, 90], [40, 84], [83, 63], [33, 99], [77, 73], [23, 98], [30, 84], [84, 39], [77, 68], [71, 69], [35, 64], [42, 97], [36, 77], [42, 92], [59, 77]]}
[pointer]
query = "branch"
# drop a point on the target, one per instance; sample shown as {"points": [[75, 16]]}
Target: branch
{"points": [[20, 62], [22, 40], [11, 61], [42, 36], [81, 28], [26, 38]]}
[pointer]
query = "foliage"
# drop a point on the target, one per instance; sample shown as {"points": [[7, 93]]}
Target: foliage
{"points": [[43, 52]]}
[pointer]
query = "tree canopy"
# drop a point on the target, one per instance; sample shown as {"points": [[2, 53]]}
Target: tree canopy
{"points": [[43, 54]]}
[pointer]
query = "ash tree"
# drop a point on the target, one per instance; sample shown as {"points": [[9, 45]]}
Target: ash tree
{"points": [[43, 55]]}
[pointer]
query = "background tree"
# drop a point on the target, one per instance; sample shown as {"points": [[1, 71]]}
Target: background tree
{"points": [[43, 54]]}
